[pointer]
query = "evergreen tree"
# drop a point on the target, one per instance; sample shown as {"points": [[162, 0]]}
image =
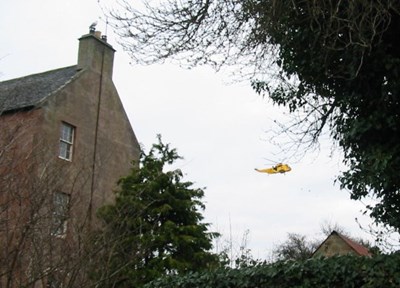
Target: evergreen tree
{"points": [[154, 228]]}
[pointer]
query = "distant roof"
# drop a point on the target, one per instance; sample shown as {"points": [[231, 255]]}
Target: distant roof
{"points": [[31, 90], [359, 249]]}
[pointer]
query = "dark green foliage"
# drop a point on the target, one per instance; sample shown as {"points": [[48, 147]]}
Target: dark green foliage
{"points": [[345, 57], [335, 63], [340, 272], [154, 228]]}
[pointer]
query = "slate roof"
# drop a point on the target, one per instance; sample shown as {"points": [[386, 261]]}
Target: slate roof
{"points": [[30, 91]]}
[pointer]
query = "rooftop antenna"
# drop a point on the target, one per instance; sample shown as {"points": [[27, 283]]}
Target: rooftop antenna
{"points": [[104, 37], [106, 26]]}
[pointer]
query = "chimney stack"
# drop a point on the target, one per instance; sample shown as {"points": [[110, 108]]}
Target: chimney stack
{"points": [[95, 53]]}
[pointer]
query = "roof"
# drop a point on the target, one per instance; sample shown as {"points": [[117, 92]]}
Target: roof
{"points": [[357, 248], [32, 90]]}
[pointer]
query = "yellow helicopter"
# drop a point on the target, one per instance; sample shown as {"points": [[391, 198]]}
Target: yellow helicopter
{"points": [[278, 168]]}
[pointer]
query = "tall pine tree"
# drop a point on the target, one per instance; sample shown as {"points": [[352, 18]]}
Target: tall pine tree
{"points": [[154, 228]]}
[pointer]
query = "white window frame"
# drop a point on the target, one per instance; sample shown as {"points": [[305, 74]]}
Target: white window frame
{"points": [[67, 135], [60, 213]]}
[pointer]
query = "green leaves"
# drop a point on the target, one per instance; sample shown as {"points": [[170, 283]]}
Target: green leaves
{"points": [[155, 223], [338, 63], [343, 272]]}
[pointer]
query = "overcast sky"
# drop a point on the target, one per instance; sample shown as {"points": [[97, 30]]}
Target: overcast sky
{"points": [[218, 128]]}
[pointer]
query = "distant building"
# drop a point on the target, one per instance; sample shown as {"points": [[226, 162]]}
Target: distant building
{"points": [[65, 140], [337, 244]]}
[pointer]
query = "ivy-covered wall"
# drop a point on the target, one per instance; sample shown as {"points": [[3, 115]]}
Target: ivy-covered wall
{"points": [[340, 271]]}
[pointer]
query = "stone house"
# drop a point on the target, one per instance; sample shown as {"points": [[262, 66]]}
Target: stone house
{"points": [[337, 244], [65, 140]]}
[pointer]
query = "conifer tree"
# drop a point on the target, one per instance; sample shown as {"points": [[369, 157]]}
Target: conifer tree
{"points": [[155, 226]]}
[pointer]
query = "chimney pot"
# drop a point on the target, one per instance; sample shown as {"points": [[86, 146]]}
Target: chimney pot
{"points": [[97, 34]]}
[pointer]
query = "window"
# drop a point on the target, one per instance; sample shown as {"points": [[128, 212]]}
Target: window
{"points": [[66, 141], [60, 213]]}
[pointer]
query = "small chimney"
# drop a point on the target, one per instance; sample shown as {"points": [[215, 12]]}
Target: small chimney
{"points": [[96, 54]]}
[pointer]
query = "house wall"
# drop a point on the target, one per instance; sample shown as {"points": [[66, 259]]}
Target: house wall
{"points": [[30, 172], [334, 245], [18, 195], [104, 146], [104, 143]]}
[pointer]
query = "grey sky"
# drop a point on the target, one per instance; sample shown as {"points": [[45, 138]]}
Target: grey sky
{"points": [[218, 128]]}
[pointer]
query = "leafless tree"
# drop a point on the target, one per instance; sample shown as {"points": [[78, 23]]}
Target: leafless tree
{"points": [[43, 232], [239, 36]]}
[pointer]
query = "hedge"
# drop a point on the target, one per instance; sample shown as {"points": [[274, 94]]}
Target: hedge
{"points": [[340, 271]]}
